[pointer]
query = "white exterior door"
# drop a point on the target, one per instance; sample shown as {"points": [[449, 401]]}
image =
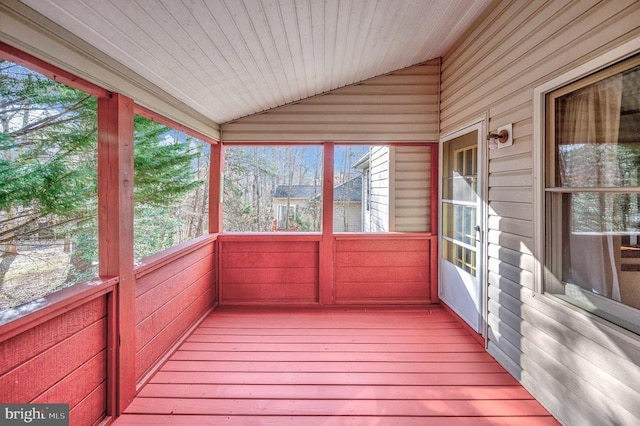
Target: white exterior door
{"points": [[461, 227]]}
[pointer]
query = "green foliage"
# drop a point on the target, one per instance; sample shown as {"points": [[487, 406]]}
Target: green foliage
{"points": [[48, 162], [162, 163], [165, 173], [47, 147], [155, 229], [55, 187]]}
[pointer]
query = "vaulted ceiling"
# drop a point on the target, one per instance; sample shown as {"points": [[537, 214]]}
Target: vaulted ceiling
{"points": [[231, 58]]}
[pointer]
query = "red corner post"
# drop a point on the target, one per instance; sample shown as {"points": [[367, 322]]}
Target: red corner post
{"points": [[216, 176], [435, 205], [115, 233], [215, 188], [326, 290]]}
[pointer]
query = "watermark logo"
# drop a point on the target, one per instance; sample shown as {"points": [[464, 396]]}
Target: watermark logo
{"points": [[34, 414]]}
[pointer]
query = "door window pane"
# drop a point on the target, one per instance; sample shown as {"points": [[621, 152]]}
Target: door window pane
{"points": [[461, 256]]}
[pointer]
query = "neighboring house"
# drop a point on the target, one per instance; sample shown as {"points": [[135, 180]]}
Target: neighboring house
{"points": [[302, 203], [396, 189], [293, 201], [347, 206]]}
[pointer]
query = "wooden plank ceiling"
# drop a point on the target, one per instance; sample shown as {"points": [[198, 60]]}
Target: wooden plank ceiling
{"points": [[232, 58]]}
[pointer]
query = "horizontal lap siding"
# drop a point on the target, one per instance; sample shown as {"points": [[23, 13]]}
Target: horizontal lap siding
{"points": [[401, 106], [382, 270], [412, 189], [63, 360], [381, 159], [169, 300], [269, 272], [347, 217], [583, 370]]}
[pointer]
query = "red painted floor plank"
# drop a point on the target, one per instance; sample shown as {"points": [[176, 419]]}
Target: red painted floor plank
{"points": [[335, 356], [388, 366], [333, 367], [328, 407], [331, 347], [214, 338], [453, 329], [377, 340], [335, 320], [159, 390], [133, 419], [370, 379]]}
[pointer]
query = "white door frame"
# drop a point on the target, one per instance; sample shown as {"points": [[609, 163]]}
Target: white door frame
{"points": [[479, 125]]}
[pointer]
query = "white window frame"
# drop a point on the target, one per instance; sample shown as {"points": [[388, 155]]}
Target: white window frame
{"points": [[622, 312]]}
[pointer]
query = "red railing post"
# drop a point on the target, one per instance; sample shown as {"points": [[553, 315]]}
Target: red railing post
{"points": [[326, 278], [115, 240], [215, 188], [435, 205]]}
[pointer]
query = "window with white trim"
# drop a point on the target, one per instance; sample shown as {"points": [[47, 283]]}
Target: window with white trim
{"points": [[592, 193]]}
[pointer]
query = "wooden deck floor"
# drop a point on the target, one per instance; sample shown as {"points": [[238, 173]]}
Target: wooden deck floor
{"points": [[333, 367]]}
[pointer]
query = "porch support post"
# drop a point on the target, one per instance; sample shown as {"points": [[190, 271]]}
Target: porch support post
{"points": [[435, 205], [115, 241], [326, 296], [215, 188], [216, 207]]}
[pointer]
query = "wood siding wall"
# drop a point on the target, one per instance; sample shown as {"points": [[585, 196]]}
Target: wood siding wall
{"points": [[383, 270], [401, 106], [582, 369], [63, 360], [347, 217], [412, 189], [381, 168], [269, 269], [169, 300]]}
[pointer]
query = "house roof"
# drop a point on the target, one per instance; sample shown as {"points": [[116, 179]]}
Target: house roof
{"points": [[227, 59], [297, 191], [362, 162], [348, 191]]}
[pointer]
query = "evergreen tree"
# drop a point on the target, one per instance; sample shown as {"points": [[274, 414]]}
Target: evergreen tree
{"points": [[48, 174]]}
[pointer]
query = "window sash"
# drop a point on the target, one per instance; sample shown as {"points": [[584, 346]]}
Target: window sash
{"points": [[556, 218]]}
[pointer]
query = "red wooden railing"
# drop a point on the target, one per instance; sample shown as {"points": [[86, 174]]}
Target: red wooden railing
{"points": [[268, 269], [61, 348], [62, 352], [384, 269], [173, 290]]}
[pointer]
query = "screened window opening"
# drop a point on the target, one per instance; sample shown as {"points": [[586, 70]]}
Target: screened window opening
{"points": [[593, 193], [460, 202], [382, 188], [272, 189], [48, 186], [171, 187]]}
